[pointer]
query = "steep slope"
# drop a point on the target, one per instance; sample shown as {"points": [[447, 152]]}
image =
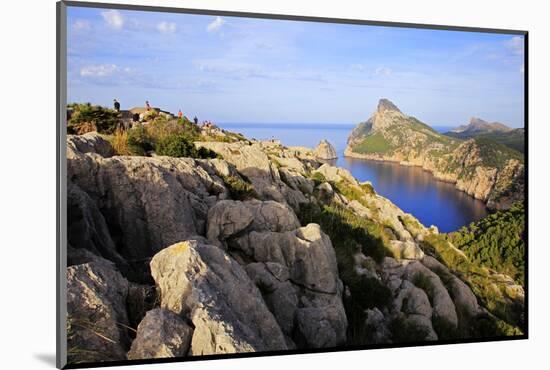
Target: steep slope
{"points": [[482, 168], [514, 139]]}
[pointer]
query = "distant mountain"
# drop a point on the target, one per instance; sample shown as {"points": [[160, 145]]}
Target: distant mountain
{"points": [[481, 167], [478, 128]]}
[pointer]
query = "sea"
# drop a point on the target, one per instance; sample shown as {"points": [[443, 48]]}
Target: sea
{"points": [[412, 189]]}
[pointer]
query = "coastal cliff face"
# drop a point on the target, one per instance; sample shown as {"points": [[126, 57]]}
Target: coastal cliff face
{"points": [[480, 167], [262, 249]]}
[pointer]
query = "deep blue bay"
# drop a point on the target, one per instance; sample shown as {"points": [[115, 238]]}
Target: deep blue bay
{"points": [[412, 189]]}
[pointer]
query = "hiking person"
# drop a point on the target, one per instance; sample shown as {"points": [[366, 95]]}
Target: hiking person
{"points": [[147, 106], [180, 114], [117, 105], [196, 120]]}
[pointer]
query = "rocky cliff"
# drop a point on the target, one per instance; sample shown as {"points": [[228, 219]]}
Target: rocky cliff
{"points": [[481, 167], [266, 249]]}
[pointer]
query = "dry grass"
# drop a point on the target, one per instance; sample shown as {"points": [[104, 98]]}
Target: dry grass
{"points": [[119, 142]]}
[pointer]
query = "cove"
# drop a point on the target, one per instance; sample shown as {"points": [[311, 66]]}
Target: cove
{"points": [[412, 189]]}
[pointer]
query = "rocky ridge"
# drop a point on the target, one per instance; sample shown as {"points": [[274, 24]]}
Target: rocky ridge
{"points": [[173, 260], [480, 167]]}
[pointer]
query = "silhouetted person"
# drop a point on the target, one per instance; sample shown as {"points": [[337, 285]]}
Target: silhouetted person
{"points": [[147, 106], [117, 105], [196, 120]]}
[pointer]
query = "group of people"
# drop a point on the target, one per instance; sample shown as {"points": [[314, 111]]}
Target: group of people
{"points": [[116, 105]]}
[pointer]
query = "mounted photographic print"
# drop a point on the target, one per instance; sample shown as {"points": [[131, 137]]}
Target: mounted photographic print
{"points": [[235, 184]]}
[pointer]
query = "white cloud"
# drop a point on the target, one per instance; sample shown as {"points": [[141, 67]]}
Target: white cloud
{"points": [[515, 44], [166, 27], [102, 70], [81, 24], [113, 18], [383, 71], [215, 24]]}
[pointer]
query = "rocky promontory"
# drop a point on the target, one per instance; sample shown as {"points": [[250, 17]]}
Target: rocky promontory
{"points": [[262, 248], [481, 167]]}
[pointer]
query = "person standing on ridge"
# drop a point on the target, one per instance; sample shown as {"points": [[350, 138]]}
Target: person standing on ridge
{"points": [[196, 120], [180, 114], [147, 106], [117, 105]]}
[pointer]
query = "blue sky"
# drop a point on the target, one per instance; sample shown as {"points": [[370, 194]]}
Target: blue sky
{"points": [[231, 69]]}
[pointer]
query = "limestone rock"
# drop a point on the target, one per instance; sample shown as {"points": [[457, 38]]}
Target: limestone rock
{"points": [[96, 312], [298, 276], [405, 250], [90, 142], [229, 217], [87, 229], [324, 150], [148, 203], [204, 284], [161, 334]]}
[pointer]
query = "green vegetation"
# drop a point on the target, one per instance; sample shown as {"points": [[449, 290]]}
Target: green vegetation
{"points": [[404, 331], [180, 145], [87, 117], [492, 294], [496, 241], [375, 143], [350, 234], [494, 154], [318, 178], [239, 189], [514, 139]]}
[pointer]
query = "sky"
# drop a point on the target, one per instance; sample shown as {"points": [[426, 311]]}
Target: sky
{"points": [[234, 69]]}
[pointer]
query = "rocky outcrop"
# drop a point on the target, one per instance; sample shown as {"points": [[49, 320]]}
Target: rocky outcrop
{"points": [[228, 218], [161, 334], [482, 168], [148, 203], [163, 246], [324, 150], [201, 282], [254, 162], [298, 276], [96, 313]]}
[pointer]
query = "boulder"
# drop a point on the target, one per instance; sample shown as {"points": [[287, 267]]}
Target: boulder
{"points": [[324, 150], [96, 313], [307, 252], [228, 218], [161, 334], [336, 174], [203, 283]]}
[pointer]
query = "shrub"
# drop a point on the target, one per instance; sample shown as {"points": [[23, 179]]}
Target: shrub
{"points": [[318, 178], [88, 117], [139, 142], [181, 146], [238, 188]]}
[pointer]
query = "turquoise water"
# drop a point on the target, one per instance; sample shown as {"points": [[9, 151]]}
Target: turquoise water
{"points": [[414, 190]]}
